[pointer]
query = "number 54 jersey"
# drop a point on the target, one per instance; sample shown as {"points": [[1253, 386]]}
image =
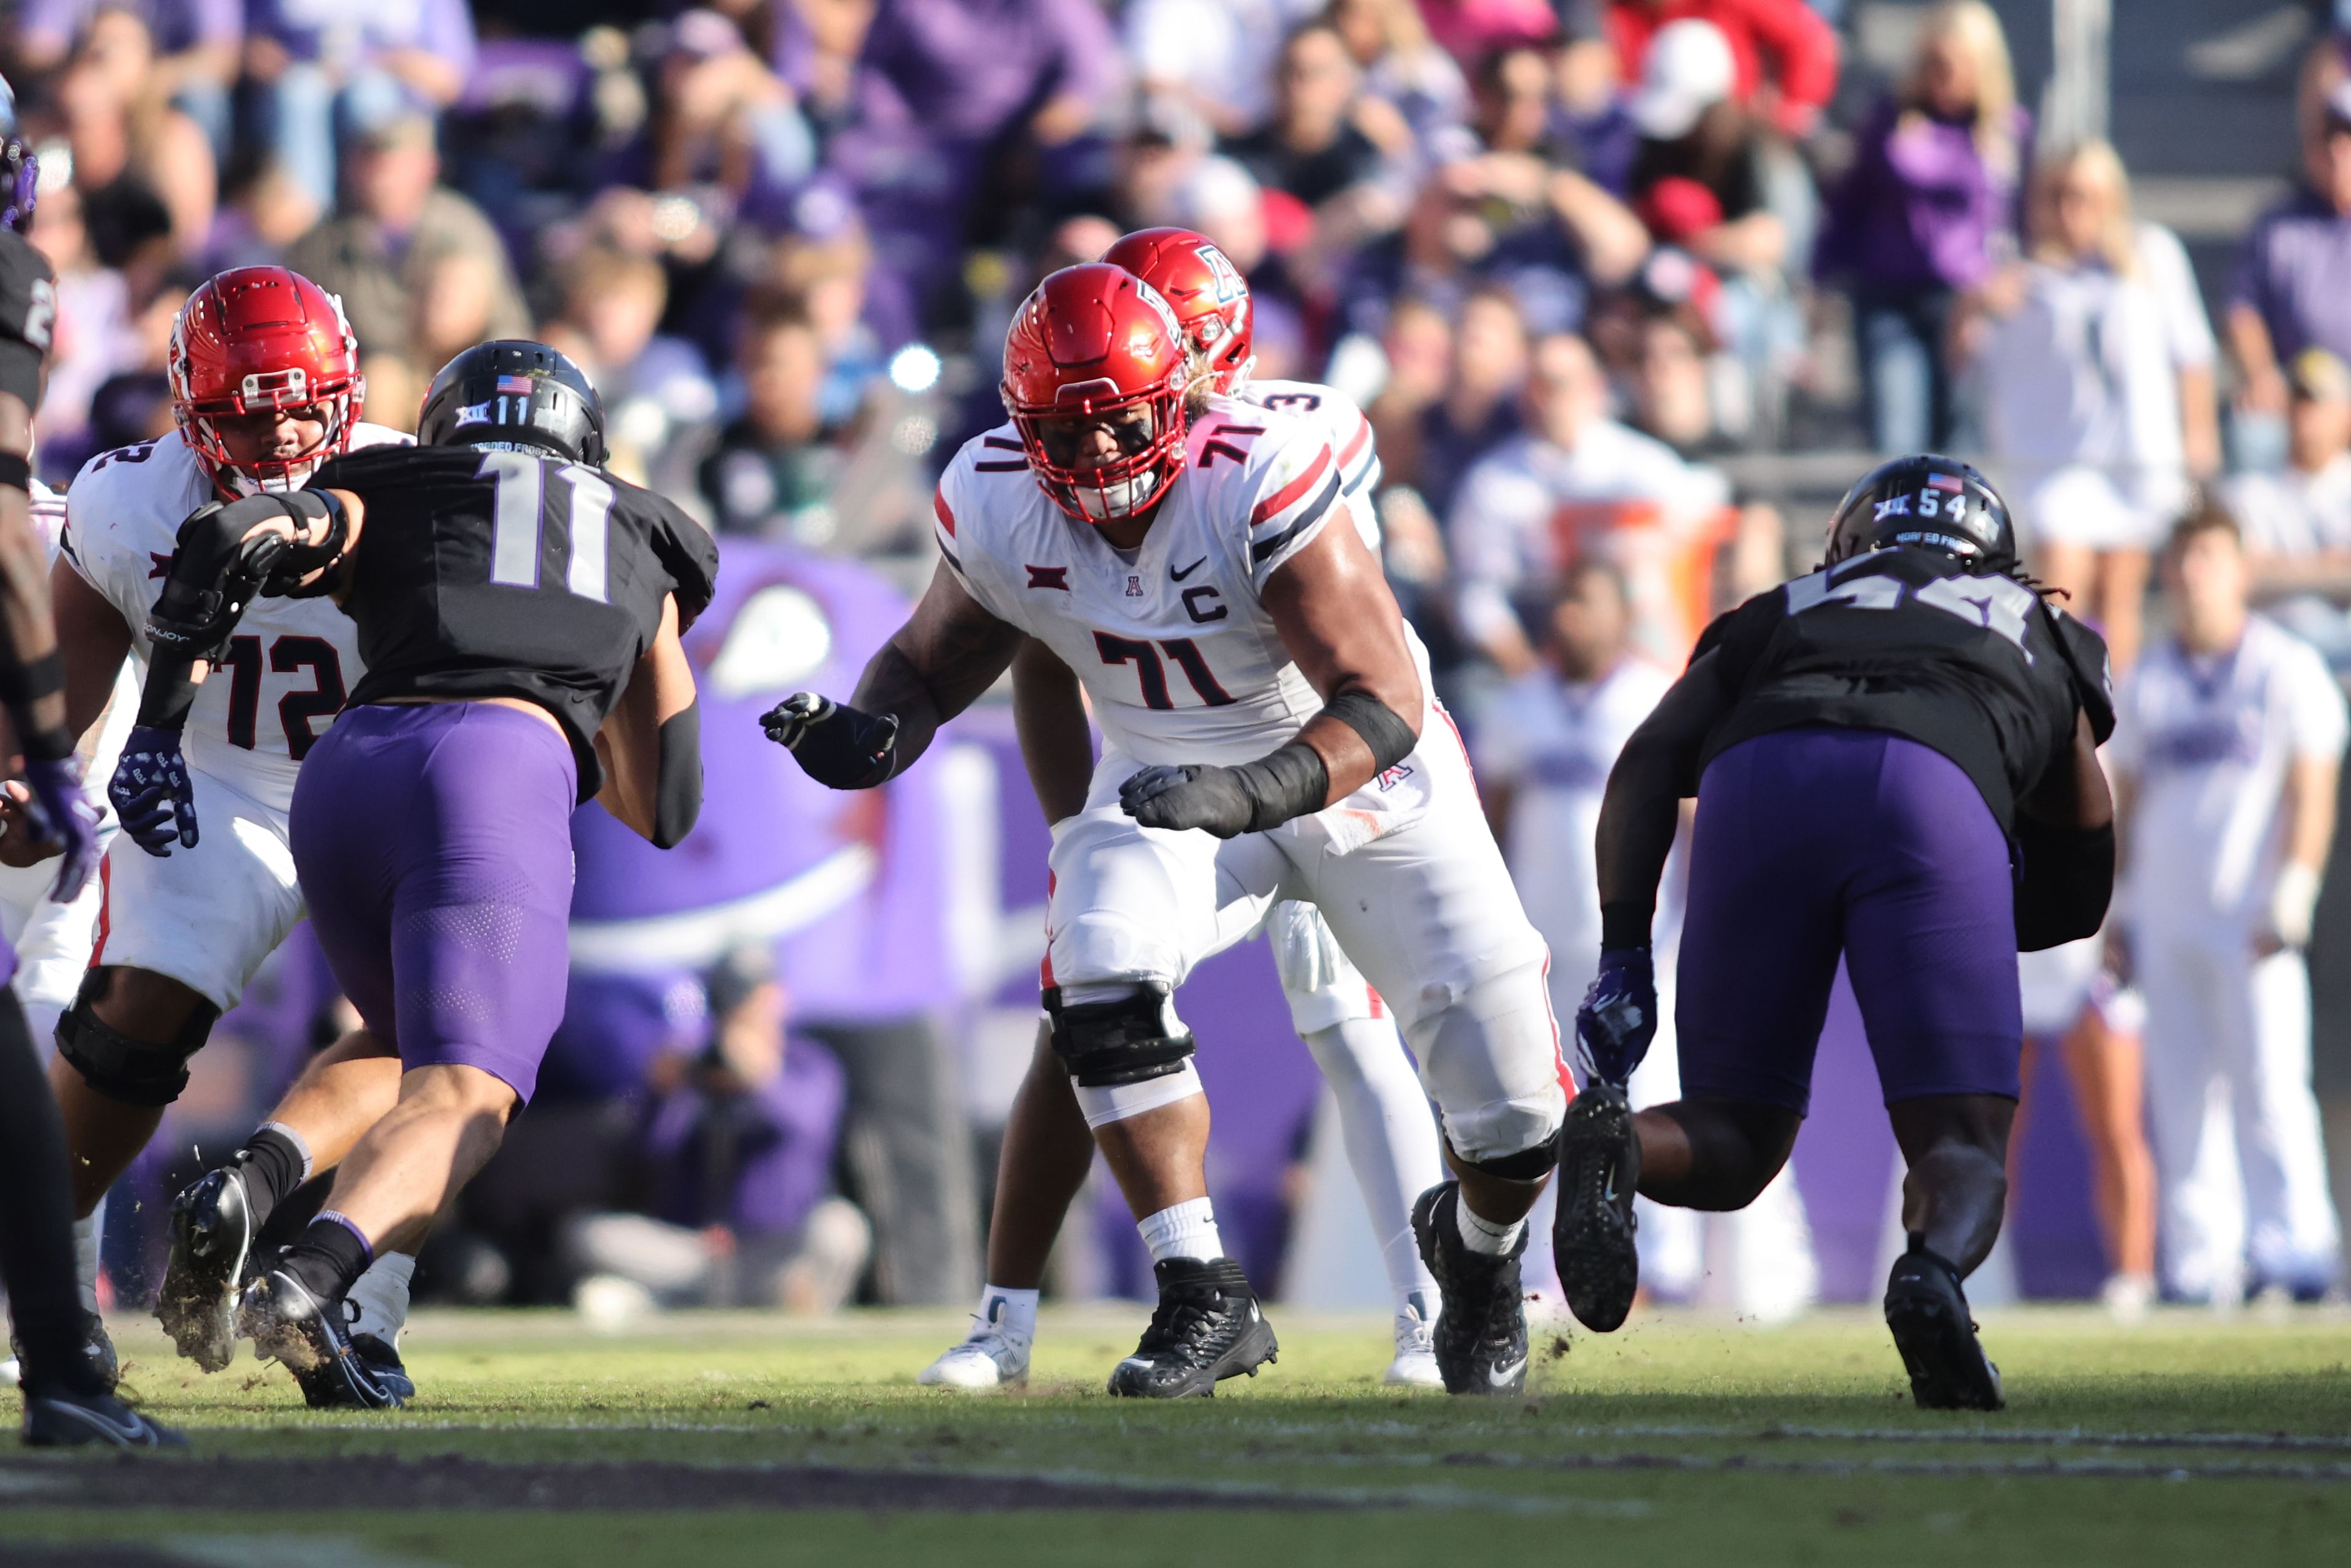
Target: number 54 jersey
{"points": [[1979, 667], [292, 662], [1176, 649]]}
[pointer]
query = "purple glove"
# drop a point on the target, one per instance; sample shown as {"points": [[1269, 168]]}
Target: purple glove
{"points": [[60, 813], [1619, 1016], [152, 793]]}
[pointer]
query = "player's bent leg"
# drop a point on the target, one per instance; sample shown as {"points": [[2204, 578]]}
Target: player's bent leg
{"points": [[1383, 1115], [122, 1057], [1048, 1152], [1952, 1200], [450, 1120], [341, 1093]]}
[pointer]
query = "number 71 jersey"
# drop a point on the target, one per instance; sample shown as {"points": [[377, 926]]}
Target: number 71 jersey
{"points": [[292, 662], [1908, 641], [1175, 646]]}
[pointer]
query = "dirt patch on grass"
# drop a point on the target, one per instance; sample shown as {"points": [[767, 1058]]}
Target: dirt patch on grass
{"points": [[455, 1481]]}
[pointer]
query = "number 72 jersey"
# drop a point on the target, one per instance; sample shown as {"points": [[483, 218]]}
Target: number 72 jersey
{"points": [[1908, 641], [1175, 646], [291, 664]]}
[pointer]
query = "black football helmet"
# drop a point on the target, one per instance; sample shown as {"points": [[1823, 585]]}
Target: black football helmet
{"points": [[20, 172], [515, 392], [1925, 502]]}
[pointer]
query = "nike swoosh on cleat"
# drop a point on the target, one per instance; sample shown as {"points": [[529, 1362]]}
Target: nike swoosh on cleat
{"points": [[1501, 1376], [1180, 576]]}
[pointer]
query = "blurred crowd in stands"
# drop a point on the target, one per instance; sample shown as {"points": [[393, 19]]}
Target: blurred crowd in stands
{"points": [[1576, 259]]}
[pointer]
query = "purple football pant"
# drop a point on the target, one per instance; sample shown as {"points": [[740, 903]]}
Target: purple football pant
{"points": [[1819, 842], [435, 847]]}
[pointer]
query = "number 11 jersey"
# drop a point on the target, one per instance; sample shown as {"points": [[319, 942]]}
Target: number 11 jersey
{"points": [[483, 574]]}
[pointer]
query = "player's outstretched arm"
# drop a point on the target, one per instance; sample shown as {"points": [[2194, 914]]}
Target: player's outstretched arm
{"points": [[651, 745], [32, 675], [278, 543], [1339, 622], [932, 668], [1049, 710]]}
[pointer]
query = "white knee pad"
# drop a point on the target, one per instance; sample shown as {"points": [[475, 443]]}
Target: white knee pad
{"points": [[1117, 1102], [1491, 1063], [1106, 1030]]}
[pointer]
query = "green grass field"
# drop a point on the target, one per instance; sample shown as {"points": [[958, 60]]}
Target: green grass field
{"points": [[710, 1440]]}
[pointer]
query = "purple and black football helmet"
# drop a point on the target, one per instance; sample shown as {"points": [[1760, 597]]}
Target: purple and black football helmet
{"points": [[20, 172]]}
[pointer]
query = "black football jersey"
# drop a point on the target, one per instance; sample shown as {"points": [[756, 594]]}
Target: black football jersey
{"points": [[484, 573], [28, 316], [1981, 668]]}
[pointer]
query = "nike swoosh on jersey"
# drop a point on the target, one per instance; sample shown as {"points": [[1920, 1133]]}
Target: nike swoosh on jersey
{"points": [[1180, 576]]}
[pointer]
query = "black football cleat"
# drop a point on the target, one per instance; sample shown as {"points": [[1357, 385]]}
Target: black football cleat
{"points": [[326, 1388], [1481, 1321], [92, 1420], [1591, 1237], [288, 1323], [212, 1235], [1208, 1327], [1937, 1336], [95, 1345]]}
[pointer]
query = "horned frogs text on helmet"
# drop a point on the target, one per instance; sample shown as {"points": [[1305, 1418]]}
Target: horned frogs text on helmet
{"points": [[1925, 502]]}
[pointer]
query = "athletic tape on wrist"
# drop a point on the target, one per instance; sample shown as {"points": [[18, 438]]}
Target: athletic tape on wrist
{"points": [[16, 471]]}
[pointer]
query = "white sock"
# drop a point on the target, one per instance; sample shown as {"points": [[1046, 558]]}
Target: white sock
{"points": [[378, 1298], [1391, 1138], [1483, 1235], [1187, 1230], [86, 1233], [1012, 1313]]}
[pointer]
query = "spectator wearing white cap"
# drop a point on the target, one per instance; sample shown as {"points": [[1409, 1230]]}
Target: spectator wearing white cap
{"points": [[2297, 519], [1698, 181]]}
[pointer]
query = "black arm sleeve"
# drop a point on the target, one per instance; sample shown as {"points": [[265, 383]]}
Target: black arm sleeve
{"points": [[1641, 810], [2069, 876], [677, 786], [1385, 735]]}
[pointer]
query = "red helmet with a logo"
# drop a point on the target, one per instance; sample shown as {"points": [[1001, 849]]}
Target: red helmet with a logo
{"points": [[257, 338], [1206, 290], [1096, 343]]}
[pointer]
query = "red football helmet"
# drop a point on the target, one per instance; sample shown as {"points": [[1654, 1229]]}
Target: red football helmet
{"points": [[255, 338], [1094, 341], [1206, 290]]}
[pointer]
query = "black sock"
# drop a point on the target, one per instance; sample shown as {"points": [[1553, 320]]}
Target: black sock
{"points": [[328, 1257], [273, 1166], [36, 1245]]}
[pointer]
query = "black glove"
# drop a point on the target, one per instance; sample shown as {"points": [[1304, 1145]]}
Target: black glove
{"points": [[1215, 800], [835, 746]]}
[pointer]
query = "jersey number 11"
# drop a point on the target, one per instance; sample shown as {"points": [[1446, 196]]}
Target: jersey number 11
{"points": [[517, 518]]}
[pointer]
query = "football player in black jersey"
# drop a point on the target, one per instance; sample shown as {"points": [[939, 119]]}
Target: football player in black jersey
{"points": [[67, 1399], [518, 610], [1895, 763]]}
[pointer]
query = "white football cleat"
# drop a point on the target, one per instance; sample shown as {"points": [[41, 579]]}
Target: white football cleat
{"points": [[986, 1359], [1414, 1365]]}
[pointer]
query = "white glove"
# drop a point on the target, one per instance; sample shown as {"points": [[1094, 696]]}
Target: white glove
{"points": [[2292, 902]]}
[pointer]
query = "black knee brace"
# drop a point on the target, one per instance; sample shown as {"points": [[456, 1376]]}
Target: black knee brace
{"points": [[1105, 1044], [135, 1072], [1527, 1164]]}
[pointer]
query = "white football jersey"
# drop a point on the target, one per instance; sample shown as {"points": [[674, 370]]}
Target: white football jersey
{"points": [[292, 660], [1175, 647], [1337, 416], [2208, 743]]}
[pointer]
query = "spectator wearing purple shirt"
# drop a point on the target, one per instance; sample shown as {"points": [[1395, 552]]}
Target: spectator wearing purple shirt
{"points": [[195, 49], [2292, 289], [947, 91], [332, 69], [1929, 206]]}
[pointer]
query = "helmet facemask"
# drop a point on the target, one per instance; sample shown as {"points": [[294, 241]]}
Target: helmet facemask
{"points": [[1149, 427], [234, 475]]}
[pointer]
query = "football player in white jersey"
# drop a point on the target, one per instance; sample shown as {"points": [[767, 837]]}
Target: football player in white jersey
{"points": [[1383, 1118], [2228, 743], [265, 385], [1270, 734]]}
